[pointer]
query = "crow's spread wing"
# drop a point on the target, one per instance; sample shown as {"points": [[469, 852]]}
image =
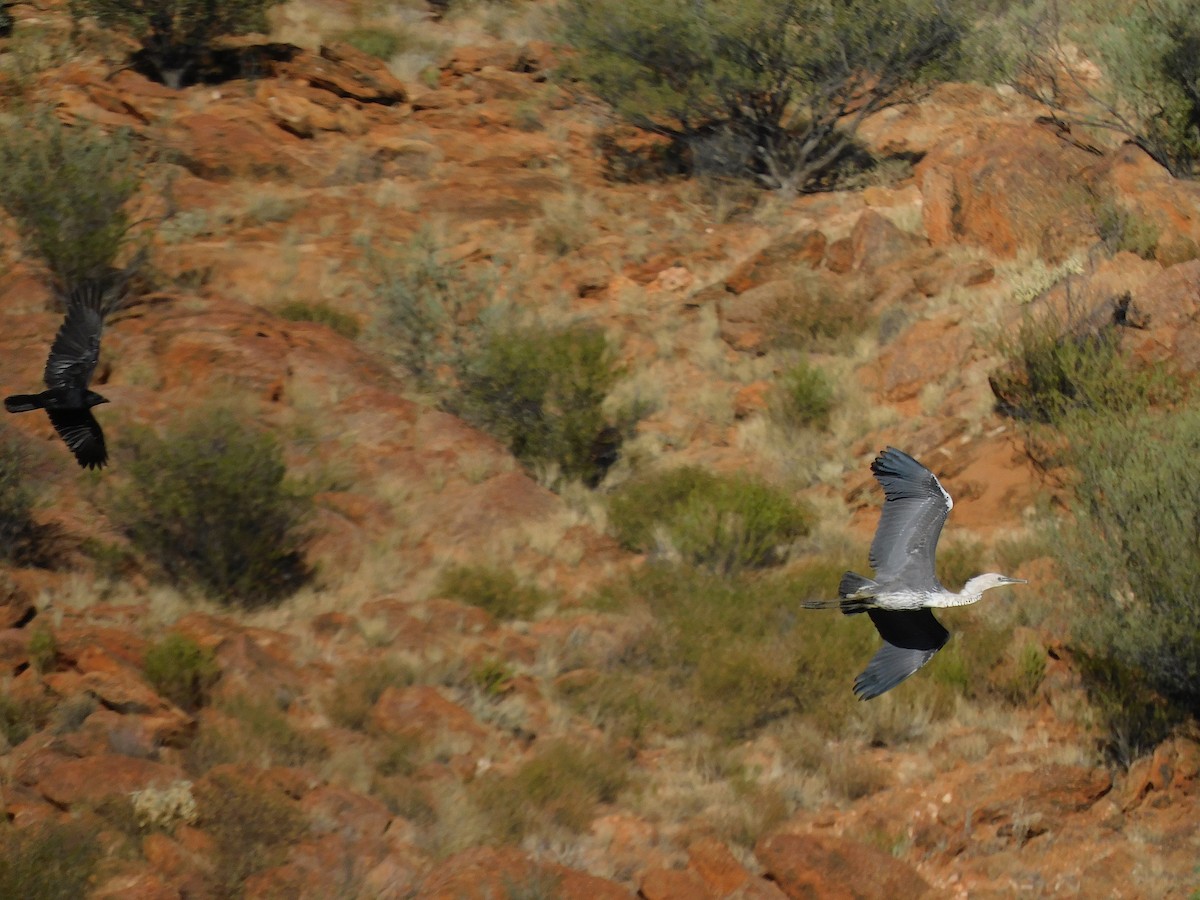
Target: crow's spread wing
{"points": [[81, 432], [76, 347]]}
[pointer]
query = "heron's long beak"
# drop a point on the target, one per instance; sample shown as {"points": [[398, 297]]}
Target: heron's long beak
{"points": [[1008, 580]]}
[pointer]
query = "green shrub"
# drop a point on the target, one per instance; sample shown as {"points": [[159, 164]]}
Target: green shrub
{"points": [[498, 591], [725, 523], [382, 43], [43, 647], [1058, 366], [209, 504], [1121, 229], [541, 392], [1132, 559], [321, 313], [803, 398], [760, 79], [67, 187], [1024, 675], [175, 35], [181, 670], [1150, 92], [560, 785], [50, 861]]}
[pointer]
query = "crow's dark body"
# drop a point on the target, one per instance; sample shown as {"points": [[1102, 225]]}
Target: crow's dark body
{"points": [[68, 399]]}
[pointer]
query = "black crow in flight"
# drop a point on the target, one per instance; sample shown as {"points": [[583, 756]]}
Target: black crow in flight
{"points": [[69, 368]]}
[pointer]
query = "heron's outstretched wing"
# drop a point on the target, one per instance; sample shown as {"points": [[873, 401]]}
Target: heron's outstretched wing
{"points": [[76, 347], [914, 511], [81, 432], [910, 639]]}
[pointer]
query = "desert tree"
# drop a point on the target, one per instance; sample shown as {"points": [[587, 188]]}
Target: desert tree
{"points": [[1148, 54], [774, 87], [175, 35]]}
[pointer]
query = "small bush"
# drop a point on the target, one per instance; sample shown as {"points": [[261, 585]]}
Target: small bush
{"points": [[50, 861], [382, 43], [560, 786], [427, 301], [251, 731], [208, 503], [181, 670], [358, 688], [252, 827], [1023, 676], [21, 716], [817, 314], [1058, 366], [1121, 229], [725, 523], [175, 35], [498, 591], [43, 647], [67, 187], [541, 392], [803, 398], [17, 529], [322, 314]]}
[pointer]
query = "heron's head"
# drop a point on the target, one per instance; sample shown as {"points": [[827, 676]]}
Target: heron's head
{"points": [[981, 583]]}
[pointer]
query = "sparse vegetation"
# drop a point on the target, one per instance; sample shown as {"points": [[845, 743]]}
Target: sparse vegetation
{"points": [[724, 523], [67, 187], [781, 97], [322, 314], [817, 314], [430, 302], [560, 786], [252, 730], [498, 591], [175, 34], [382, 43], [208, 502], [251, 825], [1123, 230], [48, 861], [358, 688], [17, 529], [181, 670]]}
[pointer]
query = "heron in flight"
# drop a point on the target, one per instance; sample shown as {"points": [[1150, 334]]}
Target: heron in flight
{"points": [[73, 357], [905, 589]]}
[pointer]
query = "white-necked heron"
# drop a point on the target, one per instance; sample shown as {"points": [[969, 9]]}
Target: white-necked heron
{"points": [[905, 587]]}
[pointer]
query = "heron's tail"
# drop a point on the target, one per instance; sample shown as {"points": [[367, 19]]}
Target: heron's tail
{"points": [[856, 593], [22, 402]]}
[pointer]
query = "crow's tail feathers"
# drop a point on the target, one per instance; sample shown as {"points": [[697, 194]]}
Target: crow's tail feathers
{"points": [[22, 402]]}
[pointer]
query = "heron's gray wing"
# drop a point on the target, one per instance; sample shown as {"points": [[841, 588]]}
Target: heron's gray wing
{"points": [[81, 432], [914, 511], [76, 347], [910, 639]]}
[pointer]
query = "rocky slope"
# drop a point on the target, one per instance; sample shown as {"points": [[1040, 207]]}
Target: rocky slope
{"points": [[274, 186]]}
